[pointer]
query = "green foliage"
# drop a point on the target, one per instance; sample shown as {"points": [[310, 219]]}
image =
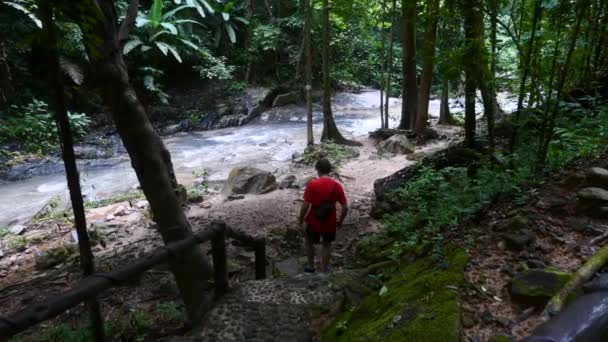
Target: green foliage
{"points": [[437, 200], [4, 231], [328, 149], [126, 197], [171, 312], [62, 333], [578, 134], [17, 243], [33, 127]]}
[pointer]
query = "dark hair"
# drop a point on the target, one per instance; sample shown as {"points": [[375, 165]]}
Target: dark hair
{"points": [[323, 166]]}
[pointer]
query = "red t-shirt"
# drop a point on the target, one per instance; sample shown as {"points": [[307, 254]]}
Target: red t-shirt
{"points": [[317, 191]]}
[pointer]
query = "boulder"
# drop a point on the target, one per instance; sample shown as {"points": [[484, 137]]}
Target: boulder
{"points": [[287, 182], [518, 241], [592, 201], [17, 229], [398, 144], [289, 267], [249, 180], [597, 195], [285, 99], [596, 176], [536, 287], [302, 183]]}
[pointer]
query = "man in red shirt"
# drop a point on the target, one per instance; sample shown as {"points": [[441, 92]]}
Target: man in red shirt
{"points": [[319, 211]]}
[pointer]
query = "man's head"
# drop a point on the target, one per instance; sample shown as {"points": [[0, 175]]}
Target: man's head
{"points": [[323, 167]]}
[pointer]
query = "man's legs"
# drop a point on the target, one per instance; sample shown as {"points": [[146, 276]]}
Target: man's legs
{"points": [[325, 255], [310, 253]]}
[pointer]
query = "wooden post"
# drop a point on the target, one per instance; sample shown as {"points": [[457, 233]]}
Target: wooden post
{"points": [[260, 259], [220, 268]]}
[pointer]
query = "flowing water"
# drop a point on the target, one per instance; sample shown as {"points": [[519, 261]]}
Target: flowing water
{"points": [[267, 143]]}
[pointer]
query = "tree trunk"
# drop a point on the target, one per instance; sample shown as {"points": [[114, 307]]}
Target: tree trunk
{"points": [[427, 69], [389, 72], [384, 57], [87, 264], [548, 128], [7, 92], [525, 66], [444, 110], [250, 64], [149, 157], [330, 130], [470, 68], [410, 82], [308, 52]]}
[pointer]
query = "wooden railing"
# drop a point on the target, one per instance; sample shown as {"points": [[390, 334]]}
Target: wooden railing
{"points": [[95, 284]]}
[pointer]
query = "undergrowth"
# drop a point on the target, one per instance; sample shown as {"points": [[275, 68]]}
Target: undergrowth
{"points": [[336, 153], [439, 200]]}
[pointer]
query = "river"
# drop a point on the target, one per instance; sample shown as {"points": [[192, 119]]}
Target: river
{"points": [[268, 143]]}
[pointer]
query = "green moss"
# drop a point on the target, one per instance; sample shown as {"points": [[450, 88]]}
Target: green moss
{"points": [[418, 303], [500, 338]]}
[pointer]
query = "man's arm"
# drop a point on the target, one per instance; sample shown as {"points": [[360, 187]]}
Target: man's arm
{"points": [[343, 204], [303, 211], [343, 214]]}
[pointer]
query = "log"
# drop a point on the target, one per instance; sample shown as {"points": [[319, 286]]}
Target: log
{"points": [[385, 133], [592, 265]]}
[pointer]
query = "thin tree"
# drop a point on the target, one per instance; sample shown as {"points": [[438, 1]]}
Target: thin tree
{"points": [[384, 57], [470, 70], [389, 71], [7, 92], [428, 56], [548, 127], [150, 159], [330, 130], [410, 82], [525, 66], [308, 55], [87, 264], [248, 39]]}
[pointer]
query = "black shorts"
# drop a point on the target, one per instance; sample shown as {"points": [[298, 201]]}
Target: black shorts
{"points": [[315, 238]]}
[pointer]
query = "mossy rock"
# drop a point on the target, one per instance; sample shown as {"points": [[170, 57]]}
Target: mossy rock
{"points": [[418, 303], [536, 287], [55, 256]]}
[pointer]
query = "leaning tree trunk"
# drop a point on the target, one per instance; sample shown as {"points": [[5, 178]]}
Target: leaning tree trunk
{"points": [[149, 157], [444, 107], [330, 130], [389, 71], [427, 69], [7, 92], [308, 66], [410, 82]]}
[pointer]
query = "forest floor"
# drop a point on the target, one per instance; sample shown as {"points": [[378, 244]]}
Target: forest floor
{"points": [[41, 262], [44, 263], [561, 240]]}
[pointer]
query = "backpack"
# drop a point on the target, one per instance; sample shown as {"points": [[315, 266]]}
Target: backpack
{"points": [[326, 207]]}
